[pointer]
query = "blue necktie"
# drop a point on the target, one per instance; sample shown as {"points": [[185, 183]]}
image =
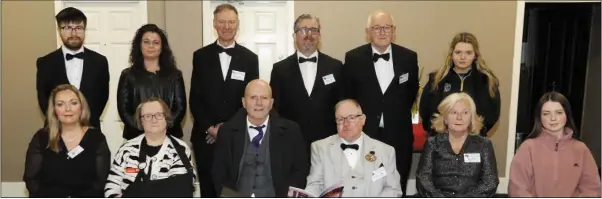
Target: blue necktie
{"points": [[257, 138]]}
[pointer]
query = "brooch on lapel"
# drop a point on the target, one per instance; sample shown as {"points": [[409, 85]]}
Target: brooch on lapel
{"points": [[370, 157]]}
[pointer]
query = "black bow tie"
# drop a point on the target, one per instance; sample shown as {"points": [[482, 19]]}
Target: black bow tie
{"points": [[376, 56], [78, 55], [351, 146], [229, 51], [313, 59]]}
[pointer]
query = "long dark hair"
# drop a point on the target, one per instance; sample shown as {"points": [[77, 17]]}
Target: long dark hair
{"points": [[167, 62], [553, 97]]}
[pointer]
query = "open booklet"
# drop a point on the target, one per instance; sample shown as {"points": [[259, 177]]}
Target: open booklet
{"points": [[335, 191]]}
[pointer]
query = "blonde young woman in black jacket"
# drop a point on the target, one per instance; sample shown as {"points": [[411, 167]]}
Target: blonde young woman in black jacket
{"points": [[464, 71]]}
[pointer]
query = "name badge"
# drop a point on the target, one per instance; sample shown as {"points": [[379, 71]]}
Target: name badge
{"points": [[378, 174], [328, 79], [237, 75], [472, 157], [74, 152], [403, 78]]}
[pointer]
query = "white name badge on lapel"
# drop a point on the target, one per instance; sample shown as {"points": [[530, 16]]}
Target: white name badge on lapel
{"points": [[378, 174], [237, 75], [328, 79], [76, 151], [472, 157], [403, 78]]}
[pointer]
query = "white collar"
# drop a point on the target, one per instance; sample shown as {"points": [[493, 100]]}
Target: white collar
{"points": [[66, 50], [230, 46], [264, 123], [315, 54], [376, 51], [358, 141]]}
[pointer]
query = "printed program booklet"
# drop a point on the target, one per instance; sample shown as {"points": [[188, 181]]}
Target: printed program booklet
{"points": [[335, 191]]}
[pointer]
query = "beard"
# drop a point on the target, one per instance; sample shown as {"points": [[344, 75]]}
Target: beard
{"points": [[73, 43], [308, 43]]}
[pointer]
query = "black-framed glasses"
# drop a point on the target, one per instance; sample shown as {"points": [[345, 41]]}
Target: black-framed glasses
{"points": [[149, 117], [78, 29], [384, 29], [351, 118], [305, 31]]}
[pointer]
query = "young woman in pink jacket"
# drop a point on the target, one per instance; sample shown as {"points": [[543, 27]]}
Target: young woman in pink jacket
{"points": [[552, 162]]}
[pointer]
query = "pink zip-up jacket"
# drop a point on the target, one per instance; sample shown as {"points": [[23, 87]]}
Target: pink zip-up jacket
{"points": [[550, 167]]}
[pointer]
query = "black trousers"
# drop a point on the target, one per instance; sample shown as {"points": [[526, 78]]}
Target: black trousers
{"points": [[403, 154], [203, 156]]}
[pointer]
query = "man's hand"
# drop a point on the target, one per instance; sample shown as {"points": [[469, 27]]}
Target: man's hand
{"points": [[212, 133], [209, 139]]}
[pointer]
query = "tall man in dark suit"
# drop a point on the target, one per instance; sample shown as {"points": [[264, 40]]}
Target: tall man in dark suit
{"points": [[383, 78], [220, 73], [74, 64], [258, 153], [306, 83]]}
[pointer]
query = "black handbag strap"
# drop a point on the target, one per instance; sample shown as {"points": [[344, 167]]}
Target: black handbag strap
{"points": [[182, 154]]}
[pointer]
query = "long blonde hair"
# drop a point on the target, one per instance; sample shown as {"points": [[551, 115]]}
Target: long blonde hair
{"points": [[476, 121], [466, 37], [54, 124]]}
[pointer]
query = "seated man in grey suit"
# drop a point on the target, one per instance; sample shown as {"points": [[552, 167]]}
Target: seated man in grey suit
{"points": [[364, 166]]}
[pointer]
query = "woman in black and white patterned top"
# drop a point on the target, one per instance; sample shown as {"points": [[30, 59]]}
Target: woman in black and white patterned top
{"points": [[150, 165]]}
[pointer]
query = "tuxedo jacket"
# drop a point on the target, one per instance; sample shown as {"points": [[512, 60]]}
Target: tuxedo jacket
{"points": [[213, 100], [361, 83], [314, 113], [288, 153], [329, 167], [51, 72]]}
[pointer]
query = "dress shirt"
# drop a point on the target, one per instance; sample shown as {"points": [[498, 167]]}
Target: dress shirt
{"points": [[73, 67], [252, 132], [224, 59], [308, 71], [351, 154], [384, 74]]}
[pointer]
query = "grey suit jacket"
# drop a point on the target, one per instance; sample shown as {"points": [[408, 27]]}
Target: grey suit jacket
{"points": [[329, 167]]}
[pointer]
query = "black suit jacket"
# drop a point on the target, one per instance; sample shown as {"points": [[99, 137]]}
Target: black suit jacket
{"points": [[94, 83], [361, 83], [288, 153], [213, 100], [315, 112]]}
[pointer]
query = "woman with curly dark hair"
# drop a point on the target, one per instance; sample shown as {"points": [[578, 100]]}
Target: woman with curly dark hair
{"points": [[152, 73]]}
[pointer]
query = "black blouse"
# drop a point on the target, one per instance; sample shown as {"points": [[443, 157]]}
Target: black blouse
{"points": [[50, 174], [442, 173]]}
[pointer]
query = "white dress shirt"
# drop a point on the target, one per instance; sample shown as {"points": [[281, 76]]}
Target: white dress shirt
{"points": [[384, 74], [73, 67], [351, 154], [308, 71], [224, 59], [253, 132]]}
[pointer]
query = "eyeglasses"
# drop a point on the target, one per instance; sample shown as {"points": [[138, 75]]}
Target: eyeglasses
{"points": [[304, 31], [351, 118], [78, 29], [384, 29], [149, 117]]}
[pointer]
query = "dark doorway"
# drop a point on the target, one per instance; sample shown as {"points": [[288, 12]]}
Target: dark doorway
{"points": [[556, 40]]}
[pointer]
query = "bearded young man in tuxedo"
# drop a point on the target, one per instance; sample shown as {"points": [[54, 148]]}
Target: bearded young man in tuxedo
{"points": [[74, 64]]}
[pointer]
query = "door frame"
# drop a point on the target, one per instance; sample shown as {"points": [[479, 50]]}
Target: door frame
{"points": [[61, 4], [516, 62], [208, 22]]}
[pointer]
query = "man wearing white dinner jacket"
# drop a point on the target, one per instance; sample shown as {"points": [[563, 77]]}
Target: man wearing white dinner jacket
{"points": [[365, 166]]}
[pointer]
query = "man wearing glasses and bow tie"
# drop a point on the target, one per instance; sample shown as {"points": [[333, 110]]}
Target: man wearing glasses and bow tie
{"points": [[74, 64], [306, 84], [364, 166], [219, 75], [383, 78]]}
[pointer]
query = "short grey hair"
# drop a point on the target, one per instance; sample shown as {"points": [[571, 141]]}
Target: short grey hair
{"points": [[305, 16], [370, 18]]}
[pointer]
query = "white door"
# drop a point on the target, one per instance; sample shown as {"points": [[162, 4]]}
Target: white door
{"points": [[265, 28], [110, 29]]}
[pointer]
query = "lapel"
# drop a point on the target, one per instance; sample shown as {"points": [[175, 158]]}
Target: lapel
{"points": [[215, 62], [239, 130], [372, 69], [396, 67], [60, 67], [336, 155], [320, 72], [296, 73], [368, 166], [87, 70], [277, 144], [234, 63]]}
